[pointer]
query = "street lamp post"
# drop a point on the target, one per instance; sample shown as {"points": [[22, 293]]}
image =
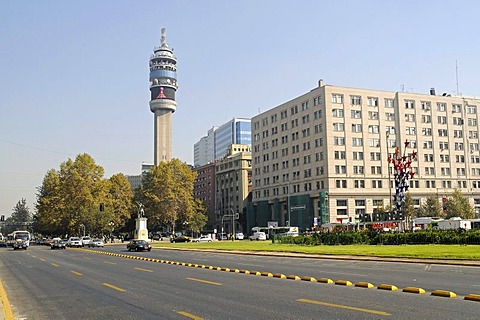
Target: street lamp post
{"points": [[83, 227], [389, 174]]}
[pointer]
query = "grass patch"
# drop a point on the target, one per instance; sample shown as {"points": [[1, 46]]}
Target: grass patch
{"points": [[437, 251]]}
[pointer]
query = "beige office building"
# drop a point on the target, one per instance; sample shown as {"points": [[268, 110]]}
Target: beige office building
{"points": [[337, 140], [233, 175]]}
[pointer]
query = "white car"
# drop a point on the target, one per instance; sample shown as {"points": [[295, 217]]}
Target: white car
{"points": [[239, 236], [259, 235], [86, 240], [96, 243], [74, 242], [204, 238]]}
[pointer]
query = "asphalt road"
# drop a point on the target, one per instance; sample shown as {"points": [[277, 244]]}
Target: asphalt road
{"points": [[77, 284]]}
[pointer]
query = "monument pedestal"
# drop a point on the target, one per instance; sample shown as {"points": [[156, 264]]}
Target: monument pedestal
{"points": [[141, 231]]}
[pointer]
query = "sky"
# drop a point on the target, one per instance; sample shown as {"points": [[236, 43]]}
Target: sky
{"points": [[74, 74]]}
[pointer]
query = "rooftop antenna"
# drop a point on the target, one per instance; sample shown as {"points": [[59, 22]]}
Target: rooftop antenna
{"points": [[456, 73], [164, 37]]}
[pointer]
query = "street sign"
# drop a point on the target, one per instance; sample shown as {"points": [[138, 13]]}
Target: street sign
{"points": [[294, 208]]}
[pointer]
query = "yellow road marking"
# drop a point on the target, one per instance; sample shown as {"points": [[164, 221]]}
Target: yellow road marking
{"points": [[87, 258], [113, 287], [77, 273], [55, 265], [146, 270], [6, 307], [205, 281], [110, 262], [34, 256], [344, 307], [41, 259], [189, 315]]}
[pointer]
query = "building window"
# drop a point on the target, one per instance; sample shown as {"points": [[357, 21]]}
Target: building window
{"points": [[373, 102], [359, 184], [341, 184], [355, 100], [337, 98], [389, 103], [337, 113], [409, 104], [441, 106], [356, 114]]}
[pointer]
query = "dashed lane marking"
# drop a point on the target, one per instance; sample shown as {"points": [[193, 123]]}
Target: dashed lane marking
{"points": [[205, 281], [77, 273], [113, 287], [55, 265], [145, 270], [114, 263], [189, 315], [327, 304]]}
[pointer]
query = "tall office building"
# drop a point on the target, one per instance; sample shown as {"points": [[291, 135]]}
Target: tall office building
{"points": [[218, 140], [323, 156], [163, 85], [204, 150], [236, 131]]}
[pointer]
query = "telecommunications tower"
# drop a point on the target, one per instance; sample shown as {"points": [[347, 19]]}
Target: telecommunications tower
{"points": [[163, 85]]}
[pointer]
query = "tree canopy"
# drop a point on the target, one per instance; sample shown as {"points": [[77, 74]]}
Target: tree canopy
{"points": [[77, 197], [167, 194], [457, 205]]}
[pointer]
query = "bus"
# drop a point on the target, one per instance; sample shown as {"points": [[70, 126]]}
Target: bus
{"points": [[22, 235]]}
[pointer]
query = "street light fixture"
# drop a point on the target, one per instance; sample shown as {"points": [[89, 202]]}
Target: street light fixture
{"points": [[388, 168]]}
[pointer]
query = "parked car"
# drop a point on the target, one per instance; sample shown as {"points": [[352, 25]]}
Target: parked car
{"points": [[138, 245], [20, 244], [203, 238], [96, 242], [259, 235], [58, 244], [181, 238], [239, 236], [3, 243], [74, 242], [85, 240]]}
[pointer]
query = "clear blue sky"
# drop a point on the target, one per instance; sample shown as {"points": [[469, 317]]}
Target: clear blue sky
{"points": [[74, 74]]}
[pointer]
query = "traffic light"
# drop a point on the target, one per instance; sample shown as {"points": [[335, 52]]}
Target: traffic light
{"points": [[102, 207], [2, 218], [444, 204]]}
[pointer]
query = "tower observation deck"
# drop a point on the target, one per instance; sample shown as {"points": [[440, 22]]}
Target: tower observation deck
{"points": [[163, 85]]}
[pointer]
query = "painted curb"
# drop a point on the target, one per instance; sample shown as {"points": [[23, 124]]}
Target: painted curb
{"points": [[387, 287], [325, 280], [472, 297], [414, 290], [343, 283], [311, 279], [444, 293], [362, 284], [294, 277]]}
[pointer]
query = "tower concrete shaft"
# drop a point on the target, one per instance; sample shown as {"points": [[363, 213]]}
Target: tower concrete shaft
{"points": [[163, 86]]}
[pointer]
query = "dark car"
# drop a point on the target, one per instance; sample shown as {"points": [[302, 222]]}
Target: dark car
{"points": [[138, 245], [180, 239], [3, 243], [20, 244], [58, 244]]}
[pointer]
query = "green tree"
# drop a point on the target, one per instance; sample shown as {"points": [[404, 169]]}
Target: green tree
{"points": [[21, 212], [167, 193], [199, 218], [408, 207], [49, 206], [70, 199], [457, 205], [431, 208]]}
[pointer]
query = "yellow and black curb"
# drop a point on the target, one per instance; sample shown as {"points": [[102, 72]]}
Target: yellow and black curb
{"points": [[368, 285]]}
